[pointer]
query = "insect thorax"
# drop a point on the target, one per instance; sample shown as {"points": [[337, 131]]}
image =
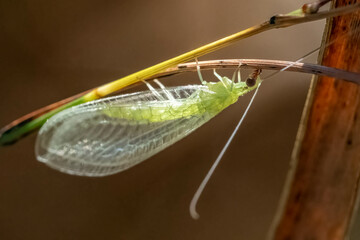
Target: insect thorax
{"points": [[227, 92]]}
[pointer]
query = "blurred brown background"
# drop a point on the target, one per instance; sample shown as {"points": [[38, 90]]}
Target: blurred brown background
{"points": [[50, 50]]}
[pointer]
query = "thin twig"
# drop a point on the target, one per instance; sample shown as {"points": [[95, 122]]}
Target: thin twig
{"points": [[288, 20], [205, 65], [265, 65], [314, 7]]}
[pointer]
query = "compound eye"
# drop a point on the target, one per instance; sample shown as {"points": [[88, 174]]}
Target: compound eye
{"points": [[250, 82]]}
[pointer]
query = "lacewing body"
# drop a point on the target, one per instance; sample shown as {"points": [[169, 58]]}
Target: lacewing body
{"points": [[110, 135]]}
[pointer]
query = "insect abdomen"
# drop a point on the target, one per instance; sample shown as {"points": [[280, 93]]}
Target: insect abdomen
{"points": [[198, 103]]}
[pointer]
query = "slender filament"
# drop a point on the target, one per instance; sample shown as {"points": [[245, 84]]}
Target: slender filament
{"points": [[202, 186]]}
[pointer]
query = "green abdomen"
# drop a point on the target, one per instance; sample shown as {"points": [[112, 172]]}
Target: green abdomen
{"points": [[200, 102]]}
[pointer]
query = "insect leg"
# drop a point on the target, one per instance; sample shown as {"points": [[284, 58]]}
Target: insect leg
{"points": [[234, 76], [153, 90], [237, 71], [199, 73], [219, 77], [168, 94], [239, 77]]}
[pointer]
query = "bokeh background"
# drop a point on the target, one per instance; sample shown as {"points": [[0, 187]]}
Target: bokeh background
{"points": [[50, 50]]}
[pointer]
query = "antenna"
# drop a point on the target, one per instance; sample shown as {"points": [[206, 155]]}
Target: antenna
{"points": [[311, 52], [202, 186]]}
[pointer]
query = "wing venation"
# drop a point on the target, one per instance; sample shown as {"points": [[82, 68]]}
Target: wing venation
{"points": [[87, 140]]}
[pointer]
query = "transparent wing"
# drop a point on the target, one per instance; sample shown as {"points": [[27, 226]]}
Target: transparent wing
{"points": [[87, 140]]}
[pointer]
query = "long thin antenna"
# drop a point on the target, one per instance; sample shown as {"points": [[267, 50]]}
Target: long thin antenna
{"points": [[290, 65], [310, 53], [198, 192]]}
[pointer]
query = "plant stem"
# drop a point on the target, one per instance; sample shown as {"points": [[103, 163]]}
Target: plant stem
{"points": [[10, 135]]}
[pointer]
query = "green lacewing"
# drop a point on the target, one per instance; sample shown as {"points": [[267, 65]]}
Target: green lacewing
{"points": [[110, 135]]}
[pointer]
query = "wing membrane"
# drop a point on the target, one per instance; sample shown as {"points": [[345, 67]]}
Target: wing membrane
{"points": [[89, 140]]}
